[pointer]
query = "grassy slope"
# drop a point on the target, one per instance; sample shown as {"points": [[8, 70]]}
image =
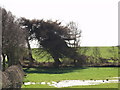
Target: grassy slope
{"points": [[105, 52], [40, 57], [48, 75]]}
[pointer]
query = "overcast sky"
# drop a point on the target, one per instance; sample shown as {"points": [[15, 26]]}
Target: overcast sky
{"points": [[98, 19]]}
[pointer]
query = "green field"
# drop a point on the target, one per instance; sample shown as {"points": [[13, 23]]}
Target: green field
{"points": [[41, 56], [72, 73], [88, 73], [104, 52]]}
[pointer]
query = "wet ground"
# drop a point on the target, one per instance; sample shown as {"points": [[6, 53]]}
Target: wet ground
{"points": [[68, 83]]}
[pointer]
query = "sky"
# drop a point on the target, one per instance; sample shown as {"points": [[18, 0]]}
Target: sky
{"points": [[98, 19]]}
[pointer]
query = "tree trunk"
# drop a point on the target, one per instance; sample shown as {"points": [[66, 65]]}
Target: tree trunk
{"points": [[10, 59], [57, 62], [30, 53], [3, 62], [75, 61]]}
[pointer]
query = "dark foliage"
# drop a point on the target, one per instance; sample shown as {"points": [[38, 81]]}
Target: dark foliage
{"points": [[52, 37], [13, 39]]}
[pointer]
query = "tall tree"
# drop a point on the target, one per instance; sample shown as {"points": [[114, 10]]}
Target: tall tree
{"points": [[13, 38], [52, 36]]}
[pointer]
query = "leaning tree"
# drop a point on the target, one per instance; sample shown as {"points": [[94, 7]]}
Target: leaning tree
{"points": [[53, 37]]}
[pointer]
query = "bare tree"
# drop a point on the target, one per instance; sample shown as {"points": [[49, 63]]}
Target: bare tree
{"points": [[74, 33]]}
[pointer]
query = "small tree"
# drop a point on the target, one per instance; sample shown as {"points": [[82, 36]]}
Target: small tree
{"points": [[74, 33]]}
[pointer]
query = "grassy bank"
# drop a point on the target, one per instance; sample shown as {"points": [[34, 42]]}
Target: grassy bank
{"points": [[104, 52]]}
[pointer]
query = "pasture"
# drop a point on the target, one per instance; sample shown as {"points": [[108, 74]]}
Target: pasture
{"points": [[89, 73], [104, 52], [48, 75]]}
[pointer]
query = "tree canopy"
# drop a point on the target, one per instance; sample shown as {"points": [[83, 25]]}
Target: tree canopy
{"points": [[53, 37]]}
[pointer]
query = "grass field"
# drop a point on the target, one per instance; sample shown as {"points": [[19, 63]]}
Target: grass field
{"points": [[89, 73], [104, 52], [41, 56]]}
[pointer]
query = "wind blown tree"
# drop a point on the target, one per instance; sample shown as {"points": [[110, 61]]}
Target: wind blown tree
{"points": [[52, 36], [13, 39], [28, 37]]}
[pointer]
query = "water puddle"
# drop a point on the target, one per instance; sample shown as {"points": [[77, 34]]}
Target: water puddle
{"points": [[68, 83]]}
